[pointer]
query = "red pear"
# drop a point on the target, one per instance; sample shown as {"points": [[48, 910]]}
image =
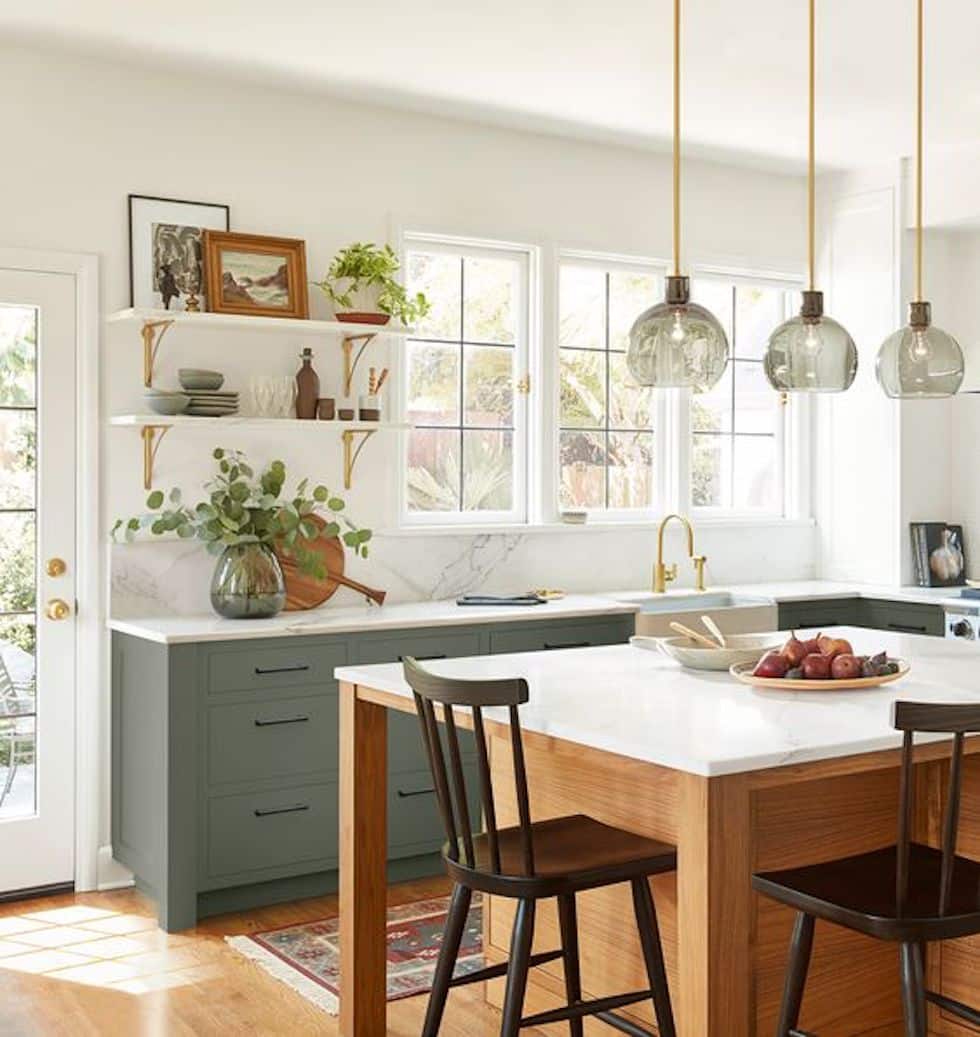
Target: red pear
{"points": [[794, 650], [772, 664], [845, 667], [816, 667]]}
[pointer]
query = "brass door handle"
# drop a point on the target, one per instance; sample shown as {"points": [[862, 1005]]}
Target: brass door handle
{"points": [[57, 608]]}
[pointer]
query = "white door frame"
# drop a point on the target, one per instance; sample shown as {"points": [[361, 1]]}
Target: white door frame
{"points": [[90, 652]]}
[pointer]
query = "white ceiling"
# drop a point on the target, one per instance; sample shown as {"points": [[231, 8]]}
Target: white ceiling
{"points": [[583, 68]]}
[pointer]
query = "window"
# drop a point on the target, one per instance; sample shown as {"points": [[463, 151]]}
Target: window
{"points": [[605, 421], [738, 429], [466, 454]]}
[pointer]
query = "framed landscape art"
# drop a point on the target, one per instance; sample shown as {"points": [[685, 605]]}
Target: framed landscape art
{"points": [[256, 275]]}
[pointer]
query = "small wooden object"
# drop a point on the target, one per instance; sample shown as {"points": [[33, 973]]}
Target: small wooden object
{"points": [[714, 630], [679, 628]]}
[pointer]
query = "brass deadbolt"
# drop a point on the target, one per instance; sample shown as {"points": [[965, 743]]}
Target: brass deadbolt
{"points": [[56, 567]]}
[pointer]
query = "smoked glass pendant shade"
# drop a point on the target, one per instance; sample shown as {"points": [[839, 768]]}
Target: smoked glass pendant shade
{"points": [[811, 352], [677, 344], [919, 361]]}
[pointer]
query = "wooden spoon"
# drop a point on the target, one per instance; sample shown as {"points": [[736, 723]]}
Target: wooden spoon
{"points": [[713, 629], [700, 639]]}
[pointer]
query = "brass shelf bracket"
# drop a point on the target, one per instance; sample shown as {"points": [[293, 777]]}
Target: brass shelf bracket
{"points": [[152, 332], [151, 444], [352, 453], [350, 359]]}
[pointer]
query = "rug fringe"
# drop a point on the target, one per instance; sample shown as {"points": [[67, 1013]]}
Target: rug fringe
{"points": [[285, 973]]}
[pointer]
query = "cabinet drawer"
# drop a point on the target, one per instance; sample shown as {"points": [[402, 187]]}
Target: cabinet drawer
{"points": [[262, 830], [286, 738], [827, 613], [291, 664], [903, 617], [554, 636], [414, 824]]}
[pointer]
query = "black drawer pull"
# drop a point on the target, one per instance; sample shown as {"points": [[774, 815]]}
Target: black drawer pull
{"points": [[908, 628], [260, 672], [275, 721], [570, 644], [296, 808], [402, 794], [422, 658]]}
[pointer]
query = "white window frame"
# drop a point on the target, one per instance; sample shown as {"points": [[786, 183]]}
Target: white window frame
{"points": [[526, 349]]}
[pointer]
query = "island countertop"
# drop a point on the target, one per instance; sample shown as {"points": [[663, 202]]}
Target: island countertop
{"points": [[640, 704]]}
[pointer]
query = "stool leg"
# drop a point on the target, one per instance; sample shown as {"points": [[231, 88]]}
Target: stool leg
{"points": [[653, 954], [799, 964], [568, 921], [913, 990], [452, 936], [517, 968]]}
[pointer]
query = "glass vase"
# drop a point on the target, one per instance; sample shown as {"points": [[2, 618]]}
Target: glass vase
{"points": [[248, 583]]}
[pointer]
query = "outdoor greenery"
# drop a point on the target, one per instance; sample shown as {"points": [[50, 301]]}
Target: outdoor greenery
{"points": [[245, 508], [360, 266]]}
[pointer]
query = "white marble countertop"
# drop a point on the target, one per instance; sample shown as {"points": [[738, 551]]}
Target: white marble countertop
{"points": [[640, 704], [181, 629]]}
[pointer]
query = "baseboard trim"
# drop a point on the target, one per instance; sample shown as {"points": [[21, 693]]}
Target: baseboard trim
{"points": [[35, 892], [110, 873]]}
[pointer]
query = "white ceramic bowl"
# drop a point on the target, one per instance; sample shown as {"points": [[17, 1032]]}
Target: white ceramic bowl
{"points": [[742, 648]]}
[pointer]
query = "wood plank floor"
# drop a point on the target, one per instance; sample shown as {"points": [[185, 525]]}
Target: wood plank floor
{"points": [[78, 972]]}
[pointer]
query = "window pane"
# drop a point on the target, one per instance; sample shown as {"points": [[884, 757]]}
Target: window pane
{"points": [[18, 643], [630, 293], [710, 468], [488, 391], [629, 403], [712, 411], [582, 461], [489, 300], [488, 465], [759, 311], [17, 742], [630, 469], [716, 296], [756, 404], [582, 307], [18, 338], [18, 450], [439, 277], [17, 568], [433, 470], [433, 384], [754, 483], [583, 388]]}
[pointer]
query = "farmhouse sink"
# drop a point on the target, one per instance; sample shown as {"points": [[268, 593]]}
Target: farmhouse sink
{"points": [[734, 613]]}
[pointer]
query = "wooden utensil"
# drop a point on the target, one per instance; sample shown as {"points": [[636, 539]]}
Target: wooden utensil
{"points": [[381, 380], [305, 591], [693, 635], [713, 629]]}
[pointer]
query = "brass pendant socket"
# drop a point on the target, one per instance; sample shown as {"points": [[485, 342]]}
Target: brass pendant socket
{"points": [[920, 314], [812, 308], [678, 290]]}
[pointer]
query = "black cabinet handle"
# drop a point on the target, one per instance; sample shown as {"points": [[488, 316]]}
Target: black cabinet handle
{"points": [[296, 808], [908, 629], [275, 721], [260, 672], [422, 658], [402, 794], [571, 644]]}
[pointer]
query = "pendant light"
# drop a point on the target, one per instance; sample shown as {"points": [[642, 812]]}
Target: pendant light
{"points": [[811, 352], [677, 344], [920, 362]]}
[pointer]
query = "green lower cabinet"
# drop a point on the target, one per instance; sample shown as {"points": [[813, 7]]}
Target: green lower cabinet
{"points": [[824, 612]]}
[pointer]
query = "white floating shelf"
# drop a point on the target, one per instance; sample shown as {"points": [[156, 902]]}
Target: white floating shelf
{"points": [[185, 421], [243, 322]]}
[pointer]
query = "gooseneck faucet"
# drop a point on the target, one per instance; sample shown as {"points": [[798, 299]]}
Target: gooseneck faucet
{"points": [[664, 574]]}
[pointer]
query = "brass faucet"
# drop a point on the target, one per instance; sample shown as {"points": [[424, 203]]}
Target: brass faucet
{"points": [[664, 574]]}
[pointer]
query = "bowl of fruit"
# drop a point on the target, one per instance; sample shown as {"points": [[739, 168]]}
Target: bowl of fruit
{"points": [[819, 664]]}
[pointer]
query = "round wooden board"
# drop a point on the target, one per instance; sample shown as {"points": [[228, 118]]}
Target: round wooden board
{"points": [[743, 672], [304, 591]]}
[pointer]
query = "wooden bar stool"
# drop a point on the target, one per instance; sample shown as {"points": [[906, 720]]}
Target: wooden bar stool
{"points": [[909, 893], [529, 862]]}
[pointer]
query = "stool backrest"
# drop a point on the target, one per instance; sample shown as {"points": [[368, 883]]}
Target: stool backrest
{"points": [[958, 721], [430, 691]]}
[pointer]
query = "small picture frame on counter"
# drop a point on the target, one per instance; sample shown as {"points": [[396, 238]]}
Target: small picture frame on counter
{"points": [[938, 554]]}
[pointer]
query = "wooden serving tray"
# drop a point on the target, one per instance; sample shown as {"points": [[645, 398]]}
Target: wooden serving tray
{"points": [[743, 672]]}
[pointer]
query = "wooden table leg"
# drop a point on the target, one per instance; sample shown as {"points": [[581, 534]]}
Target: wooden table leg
{"points": [[363, 853], [714, 908]]}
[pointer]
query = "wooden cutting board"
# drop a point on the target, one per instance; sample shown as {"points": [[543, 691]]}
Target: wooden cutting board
{"points": [[304, 591]]}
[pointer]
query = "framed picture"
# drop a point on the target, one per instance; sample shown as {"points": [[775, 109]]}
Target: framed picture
{"points": [[256, 275], [166, 250], [938, 554]]}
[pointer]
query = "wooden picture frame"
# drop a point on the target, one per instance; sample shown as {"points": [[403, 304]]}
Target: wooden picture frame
{"points": [[244, 277]]}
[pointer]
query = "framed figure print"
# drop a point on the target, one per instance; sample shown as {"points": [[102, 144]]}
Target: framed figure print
{"points": [[256, 275], [166, 251]]}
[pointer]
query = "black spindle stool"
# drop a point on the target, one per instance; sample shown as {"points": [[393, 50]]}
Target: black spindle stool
{"points": [[909, 893], [531, 861]]}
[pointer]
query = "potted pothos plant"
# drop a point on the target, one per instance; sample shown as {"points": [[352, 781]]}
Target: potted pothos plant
{"points": [[363, 288], [242, 519]]}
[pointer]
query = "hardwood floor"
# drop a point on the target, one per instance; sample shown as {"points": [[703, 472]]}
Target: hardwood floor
{"points": [[99, 966]]}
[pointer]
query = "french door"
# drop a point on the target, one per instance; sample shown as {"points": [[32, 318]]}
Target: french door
{"points": [[37, 578]]}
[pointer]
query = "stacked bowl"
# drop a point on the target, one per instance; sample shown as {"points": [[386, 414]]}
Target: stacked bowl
{"points": [[204, 394]]}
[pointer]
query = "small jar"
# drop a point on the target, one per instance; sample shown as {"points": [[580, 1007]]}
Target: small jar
{"points": [[369, 407], [325, 408], [345, 413]]}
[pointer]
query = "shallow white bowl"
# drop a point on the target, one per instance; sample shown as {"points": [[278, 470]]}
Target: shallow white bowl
{"points": [[742, 648]]}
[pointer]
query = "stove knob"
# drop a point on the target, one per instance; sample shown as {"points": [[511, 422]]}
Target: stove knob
{"points": [[961, 628]]}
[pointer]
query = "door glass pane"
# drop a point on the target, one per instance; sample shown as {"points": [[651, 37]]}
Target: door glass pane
{"points": [[18, 451]]}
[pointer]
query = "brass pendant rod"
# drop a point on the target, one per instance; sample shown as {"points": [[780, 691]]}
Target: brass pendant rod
{"points": [[811, 161], [677, 138], [918, 155]]}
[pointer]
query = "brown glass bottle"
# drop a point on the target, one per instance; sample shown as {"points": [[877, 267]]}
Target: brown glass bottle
{"points": [[307, 387]]}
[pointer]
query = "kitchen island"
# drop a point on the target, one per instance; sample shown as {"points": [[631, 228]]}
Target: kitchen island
{"points": [[740, 780]]}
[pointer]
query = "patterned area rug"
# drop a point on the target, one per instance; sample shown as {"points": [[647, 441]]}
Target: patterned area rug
{"points": [[307, 956]]}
